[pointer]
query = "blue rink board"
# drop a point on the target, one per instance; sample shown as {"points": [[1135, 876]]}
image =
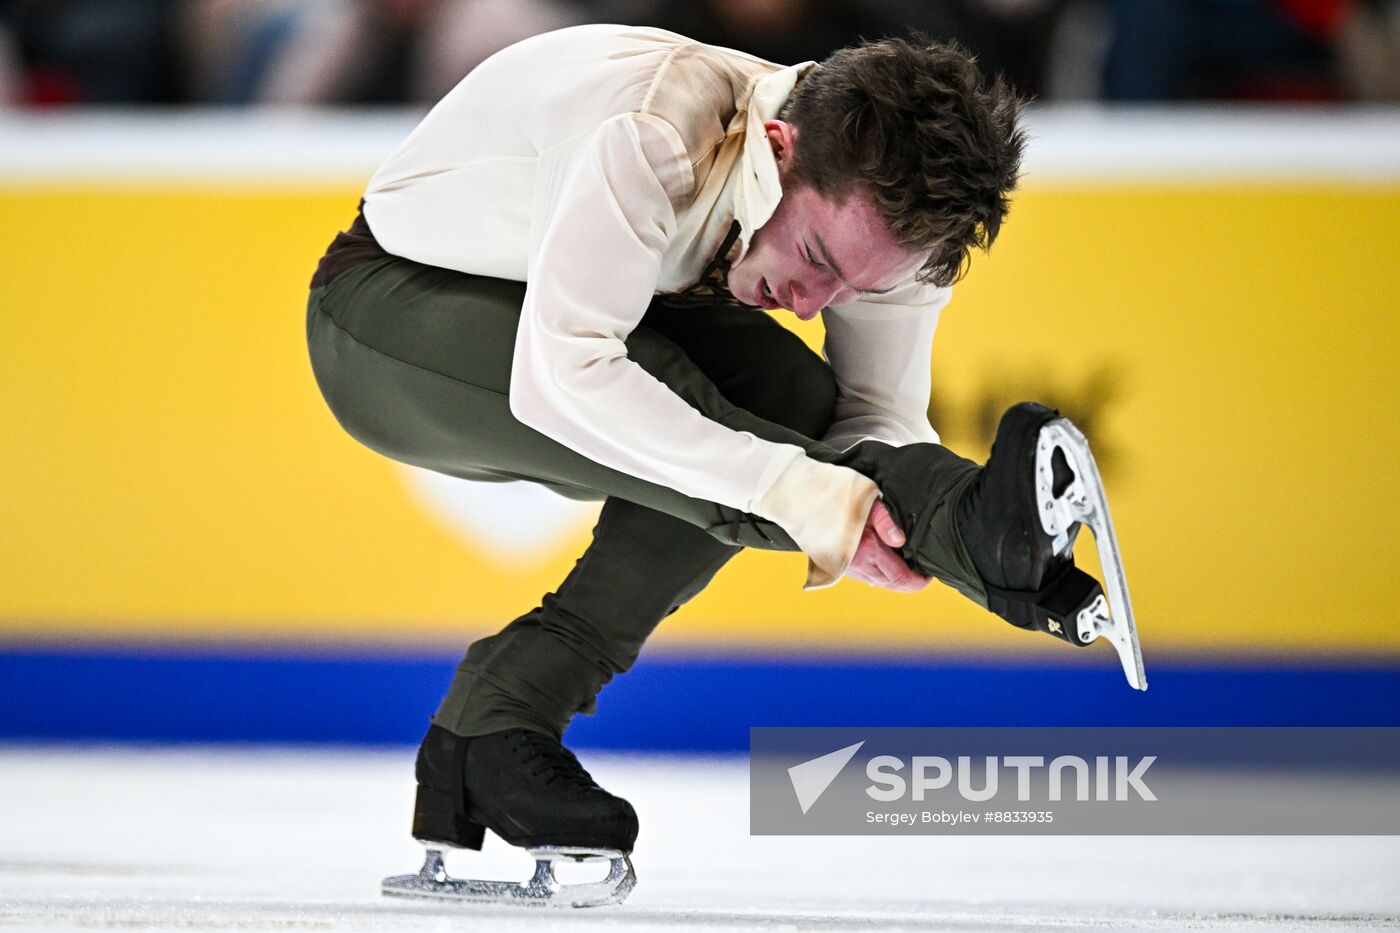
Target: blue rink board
{"points": [[675, 702]]}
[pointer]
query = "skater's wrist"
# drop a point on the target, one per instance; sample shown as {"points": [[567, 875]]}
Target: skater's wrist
{"points": [[877, 560], [823, 508]]}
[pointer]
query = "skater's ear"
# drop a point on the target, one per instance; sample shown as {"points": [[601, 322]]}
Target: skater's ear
{"points": [[782, 136]]}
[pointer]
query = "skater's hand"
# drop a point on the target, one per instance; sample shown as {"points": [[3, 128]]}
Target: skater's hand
{"points": [[876, 562]]}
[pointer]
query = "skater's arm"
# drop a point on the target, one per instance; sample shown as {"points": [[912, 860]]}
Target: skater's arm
{"points": [[606, 220], [879, 350], [592, 277]]}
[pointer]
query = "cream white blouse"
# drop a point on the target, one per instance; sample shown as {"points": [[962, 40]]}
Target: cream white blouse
{"points": [[602, 165]]}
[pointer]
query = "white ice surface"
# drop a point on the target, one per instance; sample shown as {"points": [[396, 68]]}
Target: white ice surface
{"points": [[218, 839]]}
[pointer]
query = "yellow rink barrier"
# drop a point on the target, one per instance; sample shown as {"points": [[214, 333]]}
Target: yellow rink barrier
{"points": [[169, 469]]}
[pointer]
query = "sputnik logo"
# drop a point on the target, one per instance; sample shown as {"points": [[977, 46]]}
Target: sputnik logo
{"points": [[810, 779]]}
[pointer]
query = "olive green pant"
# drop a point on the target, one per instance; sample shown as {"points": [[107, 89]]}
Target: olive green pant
{"points": [[414, 361]]}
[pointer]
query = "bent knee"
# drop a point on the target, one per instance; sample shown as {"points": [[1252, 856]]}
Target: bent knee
{"points": [[794, 387], [666, 362], [776, 377]]}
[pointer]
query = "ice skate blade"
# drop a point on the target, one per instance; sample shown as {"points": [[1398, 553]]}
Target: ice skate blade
{"points": [[1084, 500], [542, 890]]}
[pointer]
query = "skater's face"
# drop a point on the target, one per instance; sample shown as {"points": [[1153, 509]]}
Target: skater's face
{"points": [[816, 251]]}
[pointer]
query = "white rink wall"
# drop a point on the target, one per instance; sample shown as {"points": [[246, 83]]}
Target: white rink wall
{"points": [[1069, 143]]}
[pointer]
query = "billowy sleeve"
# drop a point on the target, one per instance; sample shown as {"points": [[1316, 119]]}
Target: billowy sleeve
{"points": [[879, 348], [603, 219], [604, 214]]}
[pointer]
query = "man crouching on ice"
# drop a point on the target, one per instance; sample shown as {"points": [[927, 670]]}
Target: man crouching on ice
{"points": [[563, 275]]}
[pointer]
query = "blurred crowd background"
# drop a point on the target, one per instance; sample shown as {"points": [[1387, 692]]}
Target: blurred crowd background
{"points": [[249, 52]]}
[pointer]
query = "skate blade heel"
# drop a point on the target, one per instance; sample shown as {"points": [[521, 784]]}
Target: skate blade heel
{"points": [[438, 821], [542, 890], [1069, 490]]}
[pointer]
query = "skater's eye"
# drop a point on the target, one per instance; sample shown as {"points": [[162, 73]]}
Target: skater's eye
{"points": [[807, 255]]}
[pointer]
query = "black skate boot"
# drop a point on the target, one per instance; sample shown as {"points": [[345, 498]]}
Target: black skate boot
{"points": [[1030, 575], [523, 785], [1003, 534], [531, 791], [1018, 520]]}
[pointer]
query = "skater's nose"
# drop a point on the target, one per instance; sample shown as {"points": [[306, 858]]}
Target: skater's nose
{"points": [[805, 299]]}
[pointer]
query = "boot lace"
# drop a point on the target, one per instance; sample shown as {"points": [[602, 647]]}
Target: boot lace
{"points": [[549, 762]]}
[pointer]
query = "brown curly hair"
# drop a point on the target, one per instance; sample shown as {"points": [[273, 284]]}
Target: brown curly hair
{"points": [[913, 122]]}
